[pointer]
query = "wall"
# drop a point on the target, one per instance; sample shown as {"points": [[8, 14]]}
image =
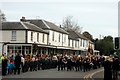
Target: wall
{"points": [[35, 38], [56, 39], [7, 36]]}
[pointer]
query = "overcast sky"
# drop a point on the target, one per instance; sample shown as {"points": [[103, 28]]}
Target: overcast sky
{"points": [[98, 17]]}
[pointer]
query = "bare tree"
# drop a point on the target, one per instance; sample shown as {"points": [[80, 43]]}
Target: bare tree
{"points": [[2, 16], [68, 23]]}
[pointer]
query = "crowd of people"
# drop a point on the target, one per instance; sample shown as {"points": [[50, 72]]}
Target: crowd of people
{"points": [[24, 63]]}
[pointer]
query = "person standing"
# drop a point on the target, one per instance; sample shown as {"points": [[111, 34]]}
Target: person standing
{"points": [[4, 66], [17, 63], [115, 67], [107, 69], [22, 63]]}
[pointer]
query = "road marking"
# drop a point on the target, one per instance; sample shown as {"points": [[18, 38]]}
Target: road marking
{"points": [[89, 76], [95, 73]]}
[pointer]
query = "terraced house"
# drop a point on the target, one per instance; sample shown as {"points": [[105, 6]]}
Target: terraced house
{"points": [[34, 36]]}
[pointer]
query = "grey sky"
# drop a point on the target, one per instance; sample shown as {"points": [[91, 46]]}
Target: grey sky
{"points": [[98, 17]]}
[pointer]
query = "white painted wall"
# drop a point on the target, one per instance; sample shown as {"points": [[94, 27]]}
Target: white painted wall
{"points": [[79, 47], [7, 36], [56, 38], [35, 37]]}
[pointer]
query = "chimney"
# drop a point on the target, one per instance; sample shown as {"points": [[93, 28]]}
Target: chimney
{"points": [[23, 19], [60, 26]]}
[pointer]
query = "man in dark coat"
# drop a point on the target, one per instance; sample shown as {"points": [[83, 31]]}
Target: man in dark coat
{"points": [[4, 66], [107, 69], [115, 67], [17, 63]]}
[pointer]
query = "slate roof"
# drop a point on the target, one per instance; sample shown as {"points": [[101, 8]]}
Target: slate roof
{"points": [[75, 35], [21, 26], [72, 35], [81, 36], [33, 27], [12, 26], [47, 25]]}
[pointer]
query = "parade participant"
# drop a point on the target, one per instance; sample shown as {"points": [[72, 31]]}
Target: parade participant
{"points": [[39, 62], [27, 63], [64, 62], [35, 63], [43, 63], [77, 63], [85, 64], [80, 63], [17, 63], [55, 59], [22, 63], [107, 69], [69, 64]]}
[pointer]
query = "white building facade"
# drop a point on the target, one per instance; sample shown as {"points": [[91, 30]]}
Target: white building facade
{"points": [[21, 37], [40, 36]]}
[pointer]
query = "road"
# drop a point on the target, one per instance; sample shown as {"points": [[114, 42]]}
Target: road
{"points": [[53, 73]]}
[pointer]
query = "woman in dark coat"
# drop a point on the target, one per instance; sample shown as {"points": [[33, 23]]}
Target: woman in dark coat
{"points": [[107, 69]]}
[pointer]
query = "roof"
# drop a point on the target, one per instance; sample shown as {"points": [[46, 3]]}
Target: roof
{"points": [[12, 26], [73, 35], [33, 27], [47, 25], [21, 26], [81, 36]]}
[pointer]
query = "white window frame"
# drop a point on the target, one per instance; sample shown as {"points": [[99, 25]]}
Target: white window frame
{"points": [[59, 38], [53, 36], [37, 37], [64, 38], [43, 39], [31, 36], [14, 35]]}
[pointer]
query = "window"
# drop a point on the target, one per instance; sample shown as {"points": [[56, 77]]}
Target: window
{"points": [[59, 38], [75, 43], [43, 38], [13, 35], [81, 42], [69, 43], [72, 43], [31, 36], [78, 44], [64, 38], [53, 36], [37, 37]]}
